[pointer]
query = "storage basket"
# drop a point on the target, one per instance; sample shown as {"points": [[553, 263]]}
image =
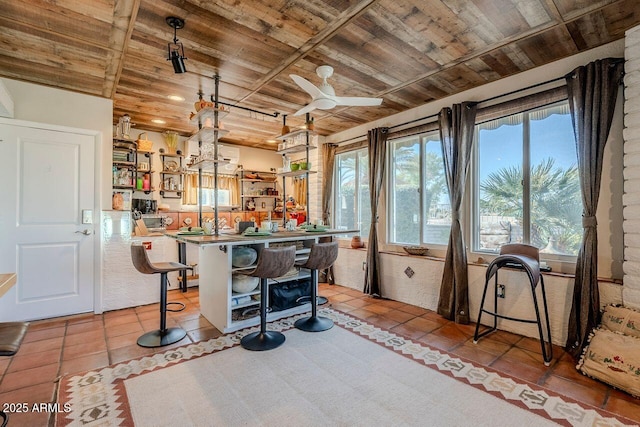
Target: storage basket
{"points": [[143, 143]]}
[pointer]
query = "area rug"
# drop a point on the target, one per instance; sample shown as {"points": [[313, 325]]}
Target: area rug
{"points": [[353, 374]]}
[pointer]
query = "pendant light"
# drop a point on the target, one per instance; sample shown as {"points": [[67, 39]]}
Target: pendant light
{"points": [[175, 49]]}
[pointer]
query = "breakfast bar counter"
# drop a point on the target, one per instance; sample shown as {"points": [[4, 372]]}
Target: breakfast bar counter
{"points": [[228, 298]]}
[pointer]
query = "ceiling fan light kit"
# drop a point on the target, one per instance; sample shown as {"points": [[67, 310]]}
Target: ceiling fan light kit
{"points": [[175, 49], [324, 97]]}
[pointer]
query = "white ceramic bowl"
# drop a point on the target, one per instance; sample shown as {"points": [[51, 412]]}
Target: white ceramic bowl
{"points": [[241, 283]]}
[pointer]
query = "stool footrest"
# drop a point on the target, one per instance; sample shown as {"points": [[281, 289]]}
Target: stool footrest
{"points": [[180, 308], [515, 319]]}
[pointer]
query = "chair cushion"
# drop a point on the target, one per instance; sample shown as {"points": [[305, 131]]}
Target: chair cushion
{"points": [[11, 335]]}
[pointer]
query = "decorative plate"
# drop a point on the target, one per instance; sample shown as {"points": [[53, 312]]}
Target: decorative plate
{"points": [[171, 166]]}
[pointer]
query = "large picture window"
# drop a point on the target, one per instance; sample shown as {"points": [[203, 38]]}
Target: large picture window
{"points": [[419, 210], [352, 204], [526, 182]]}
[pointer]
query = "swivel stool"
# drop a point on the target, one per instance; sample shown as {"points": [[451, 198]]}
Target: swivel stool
{"points": [[527, 258], [163, 336], [321, 257], [272, 263]]}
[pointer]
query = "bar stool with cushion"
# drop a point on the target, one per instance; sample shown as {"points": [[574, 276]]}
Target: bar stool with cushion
{"points": [[527, 258], [322, 256], [272, 263], [164, 335]]}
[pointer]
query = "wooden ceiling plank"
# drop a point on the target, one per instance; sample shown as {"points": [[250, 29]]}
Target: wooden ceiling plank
{"points": [[68, 24], [344, 19]]}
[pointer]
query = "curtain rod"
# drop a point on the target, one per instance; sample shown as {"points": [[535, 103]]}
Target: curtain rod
{"points": [[477, 102]]}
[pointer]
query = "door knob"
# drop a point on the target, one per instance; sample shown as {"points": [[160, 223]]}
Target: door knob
{"points": [[86, 232]]}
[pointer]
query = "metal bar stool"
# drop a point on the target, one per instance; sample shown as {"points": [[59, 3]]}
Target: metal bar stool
{"points": [[164, 335], [272, 263], [322, 256], [527, 258]]}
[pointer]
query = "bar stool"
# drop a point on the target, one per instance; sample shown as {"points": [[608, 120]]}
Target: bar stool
{"points": [[272, 263], [164, 335], [322, 256], [527, 258]]}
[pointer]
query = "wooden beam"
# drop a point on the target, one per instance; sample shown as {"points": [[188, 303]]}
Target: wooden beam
{"points": [[125, 13]]}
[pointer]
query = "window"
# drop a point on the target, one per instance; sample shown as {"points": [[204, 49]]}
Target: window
{"points": [[419, 207], [541, 206], [352, 200]]}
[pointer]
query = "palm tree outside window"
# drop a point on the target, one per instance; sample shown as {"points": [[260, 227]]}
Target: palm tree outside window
{"points": [[541, 206]]}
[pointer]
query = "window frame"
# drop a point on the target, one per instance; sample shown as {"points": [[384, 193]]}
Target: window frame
{"points": [[423, 138], [336, 183], [474, 183]]}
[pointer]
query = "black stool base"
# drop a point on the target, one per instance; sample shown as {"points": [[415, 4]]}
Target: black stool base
{"points": [[320, 300], [261, 341], [314, 324], [158, 339]]}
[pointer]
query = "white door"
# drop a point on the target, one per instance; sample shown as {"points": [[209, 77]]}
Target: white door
{"points": [[46, 181]]}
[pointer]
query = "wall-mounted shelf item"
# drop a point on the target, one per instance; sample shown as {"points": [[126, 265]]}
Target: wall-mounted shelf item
{"points": [[124, 163], [171, 176], [144, 172], [298, 141], [209, 131], [260, 188]]}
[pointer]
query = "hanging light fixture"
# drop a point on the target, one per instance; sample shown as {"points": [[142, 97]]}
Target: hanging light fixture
{"points": [[175, 50]]}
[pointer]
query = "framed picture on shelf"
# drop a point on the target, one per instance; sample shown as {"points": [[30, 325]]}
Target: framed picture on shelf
{"points": [[121, 200]]}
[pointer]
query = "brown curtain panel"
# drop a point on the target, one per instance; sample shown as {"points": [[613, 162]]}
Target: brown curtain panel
{"points": [[456, 133], [377, 139], [592, 91], [328, 164]]}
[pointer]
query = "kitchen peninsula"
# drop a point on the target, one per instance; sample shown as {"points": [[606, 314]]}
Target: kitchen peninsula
{"points": [[227, 309]]}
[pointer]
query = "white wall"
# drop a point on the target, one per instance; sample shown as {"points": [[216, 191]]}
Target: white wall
{"points": [[631, 291], [44, 104]]}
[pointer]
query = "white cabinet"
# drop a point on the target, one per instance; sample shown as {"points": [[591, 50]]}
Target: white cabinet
{"points": [[219, 303]]}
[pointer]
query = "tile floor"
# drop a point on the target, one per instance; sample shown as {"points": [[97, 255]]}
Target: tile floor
{"points": [[56, 347]]}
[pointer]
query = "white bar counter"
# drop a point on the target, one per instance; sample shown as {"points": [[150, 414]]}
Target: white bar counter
{"points": [[218, 302]]}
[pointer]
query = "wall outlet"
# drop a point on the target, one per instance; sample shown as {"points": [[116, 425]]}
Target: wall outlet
{"points": [[500, 291]]}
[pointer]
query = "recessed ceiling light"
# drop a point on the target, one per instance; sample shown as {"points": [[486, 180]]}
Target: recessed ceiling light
{"points": [[176, 98], [158, 121], [271, 141]]}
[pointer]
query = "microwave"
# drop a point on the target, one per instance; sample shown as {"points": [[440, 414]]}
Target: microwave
{"points": [[155, 222]]}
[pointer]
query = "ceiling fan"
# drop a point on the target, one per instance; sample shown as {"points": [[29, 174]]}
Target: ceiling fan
{"points": [[324, 97]]}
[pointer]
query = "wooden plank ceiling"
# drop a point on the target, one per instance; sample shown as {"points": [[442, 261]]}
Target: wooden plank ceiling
{"points": [[408, 52]]}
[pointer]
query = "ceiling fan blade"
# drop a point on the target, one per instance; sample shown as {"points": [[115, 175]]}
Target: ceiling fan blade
{"points": [[357, 101], [307, 86], [307, 108]]}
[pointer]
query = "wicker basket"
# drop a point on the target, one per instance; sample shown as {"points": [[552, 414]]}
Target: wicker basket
{"points": [[415, 250], [144, 144]]}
